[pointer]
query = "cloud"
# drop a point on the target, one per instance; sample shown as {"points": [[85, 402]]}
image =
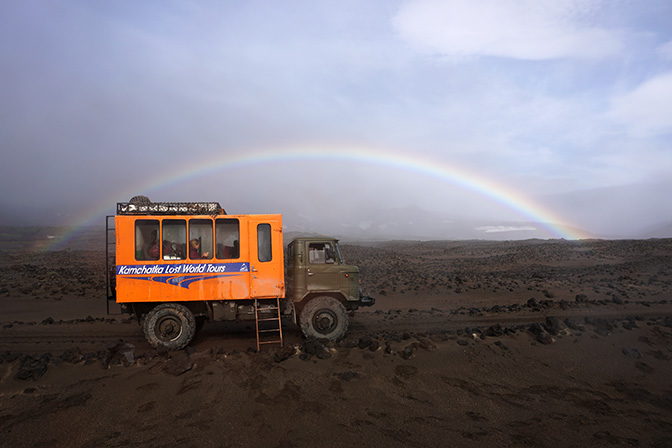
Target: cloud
{"points": [[499, 229], [665, 51], [518, 29], [647, 110]]}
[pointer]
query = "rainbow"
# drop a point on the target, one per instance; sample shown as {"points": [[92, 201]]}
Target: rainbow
{"points": [[425, 166]]}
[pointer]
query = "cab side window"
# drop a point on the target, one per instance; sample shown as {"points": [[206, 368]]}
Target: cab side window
{"points": [[227, 239], [174, 244], [321, 253], [200, 239], [146, 239]]}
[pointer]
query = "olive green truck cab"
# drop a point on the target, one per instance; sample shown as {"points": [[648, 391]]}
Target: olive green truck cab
{"points": [[322, 287]]}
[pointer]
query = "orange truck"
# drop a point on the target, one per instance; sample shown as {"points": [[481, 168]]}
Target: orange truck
{"points": [[174, 266]]}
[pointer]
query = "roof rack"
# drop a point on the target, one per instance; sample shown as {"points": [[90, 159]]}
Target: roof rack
{"points": [[170, 208]]}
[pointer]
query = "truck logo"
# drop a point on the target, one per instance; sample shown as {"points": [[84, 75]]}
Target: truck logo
{"points": [[183, 281]]}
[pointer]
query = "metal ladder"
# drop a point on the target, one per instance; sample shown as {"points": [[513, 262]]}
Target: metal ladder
{"points": [[270, 326], [110, 260]]}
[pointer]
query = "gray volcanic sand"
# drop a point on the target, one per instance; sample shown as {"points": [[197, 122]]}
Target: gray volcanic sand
{"points": [[530, 343]]}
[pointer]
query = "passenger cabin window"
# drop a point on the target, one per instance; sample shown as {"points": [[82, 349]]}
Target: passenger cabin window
{"points": [[321, 253], [264, 242], [227, 239], [146, 239], [200, 239], [174, 246]]}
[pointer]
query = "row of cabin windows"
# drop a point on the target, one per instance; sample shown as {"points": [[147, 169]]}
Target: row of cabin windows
{"points": [[173, 243]]}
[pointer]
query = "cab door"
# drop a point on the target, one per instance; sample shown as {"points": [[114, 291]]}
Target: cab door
{"points": [[266, 257], [323, 269]]}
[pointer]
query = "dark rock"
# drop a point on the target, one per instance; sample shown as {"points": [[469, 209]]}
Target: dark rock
{"points": [[216, 351], [72, 356], [179, 363], [602, 326], [407, 352], [284, 353], [349, 342], [537, 328], [48, 321], [346, 376], [426, 344], [545, 338], [495, 330], [32, 368], [575, 323], [312, 346], [119, 353], [462, 342], [555, 325], [581, 298], [633, 352], [364, 342]]}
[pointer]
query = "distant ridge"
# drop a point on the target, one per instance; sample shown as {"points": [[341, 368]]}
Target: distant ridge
{"points": [[664, 231], [414, 223]]}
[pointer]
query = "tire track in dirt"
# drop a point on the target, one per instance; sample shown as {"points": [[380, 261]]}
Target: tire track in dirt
{"points": [[39, 338]]}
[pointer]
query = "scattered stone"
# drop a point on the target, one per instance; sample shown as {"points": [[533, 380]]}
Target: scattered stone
{"points": [[364, 342], [349, 343], [72, 356], [426, 344], [545, 338], [575, 323], [602, 326], [633, 352], [284, 353], [555, 325], [216, 352], [313, 346], [495, 330], [537, 328], [118, 353], [32, 368], [408, 351], [346, 376], [179, 363]]}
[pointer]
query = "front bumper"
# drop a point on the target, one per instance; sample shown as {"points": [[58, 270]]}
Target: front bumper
{"points": [[366, 301], [363, 301]]}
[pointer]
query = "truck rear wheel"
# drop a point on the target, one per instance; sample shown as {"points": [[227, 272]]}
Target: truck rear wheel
{"points": [[324, 317], [170, 325]]}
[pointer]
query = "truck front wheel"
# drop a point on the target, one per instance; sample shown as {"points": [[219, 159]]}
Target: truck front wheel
{"points": [[170, 325], [324, 317]]}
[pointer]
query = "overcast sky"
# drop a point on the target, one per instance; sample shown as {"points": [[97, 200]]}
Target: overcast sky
{"points": [[554, 100]]}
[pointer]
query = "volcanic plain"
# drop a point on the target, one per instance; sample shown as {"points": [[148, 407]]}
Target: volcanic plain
{"points": [[471, 343]]}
